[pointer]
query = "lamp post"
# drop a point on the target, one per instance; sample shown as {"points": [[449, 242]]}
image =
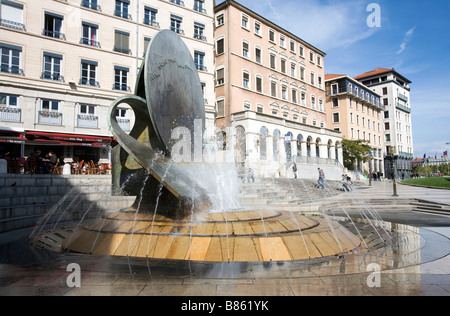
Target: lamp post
{"points": [[392, 158]]}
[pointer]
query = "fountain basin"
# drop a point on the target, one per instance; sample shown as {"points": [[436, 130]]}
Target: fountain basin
{"points": [[234, 236]]}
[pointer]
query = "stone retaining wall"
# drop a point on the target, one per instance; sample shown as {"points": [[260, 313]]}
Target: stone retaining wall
{"points": [[26, 199]]}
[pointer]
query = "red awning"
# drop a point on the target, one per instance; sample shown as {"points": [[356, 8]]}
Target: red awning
{"points": [[36, 138]]}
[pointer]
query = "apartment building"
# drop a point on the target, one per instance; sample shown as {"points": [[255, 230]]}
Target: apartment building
{"points": [[270, 94], [65, 61], [394, 90], [357, 112]]}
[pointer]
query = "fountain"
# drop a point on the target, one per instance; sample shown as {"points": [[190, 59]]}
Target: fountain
{"points": [[186, 208]]}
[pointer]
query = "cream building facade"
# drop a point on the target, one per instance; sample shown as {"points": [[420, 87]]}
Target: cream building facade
{"points": [[270, 96], [65, 61], [357, 112]]}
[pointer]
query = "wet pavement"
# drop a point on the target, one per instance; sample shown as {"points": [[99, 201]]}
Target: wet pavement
{"points": [[418, 265]]}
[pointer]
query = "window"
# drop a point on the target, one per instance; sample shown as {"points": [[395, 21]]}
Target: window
{"points": [[258, 57], [220, 108], [220, 77], [245, 49], [294, 95], [284, 92], [312, 78], [313, 102], [86, 117], [199, 60], [49, 113], [293, 69], [151, 16], [388, 137], [199, 6], [260, 108], [283, 66], [302, 73], [52, 67], [11, 15], [385, 101], [283, 41], [303, 98], [272, 36], [259, 84], [199, 31], [301, 50], [8, 100], [11, 58], [90, 32], [319, 61], [319, 81], [273, 89], [220, 20], [257, 28], [247, 106], [387, 126], [245, 21], [147, 41], [385, 91], [176, 24], [246, 80], [53, 25], [121, 78], [49, 105], [89, 73], [273, 61], [122, 42], [220, 46], [311, 56], [121, 9], [292, 46], [321, 105]]}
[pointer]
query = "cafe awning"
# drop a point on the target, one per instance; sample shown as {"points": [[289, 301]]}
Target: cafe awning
{"points": [[64, 139]]}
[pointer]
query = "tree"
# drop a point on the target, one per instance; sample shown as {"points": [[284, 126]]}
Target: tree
{"points": [[355, 150]]}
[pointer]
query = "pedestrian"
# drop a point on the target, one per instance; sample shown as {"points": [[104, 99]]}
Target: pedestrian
{"points": [[294, 169], [349, 182], [321, 180], [250, 175]]}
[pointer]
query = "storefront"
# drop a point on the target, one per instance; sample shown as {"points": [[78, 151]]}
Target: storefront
{"points": [[12, 142]]}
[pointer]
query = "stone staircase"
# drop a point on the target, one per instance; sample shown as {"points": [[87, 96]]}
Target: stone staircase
{"points": [[424, 206]]}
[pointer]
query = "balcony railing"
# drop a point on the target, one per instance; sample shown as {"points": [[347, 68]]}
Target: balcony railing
{"points": [[87, 121], [121, 87], [14, 70], [52, 76], [200, 37], [150, 22], [90, 5], [50, 118], [124, 123], [177, 30], [403, 108], [179, 2], [123, 50], [403, 97], [89, 83], [199, 8], [12, 24], [10, 114], [201, 67], [54, 34], [122, 14], [90, 42]]}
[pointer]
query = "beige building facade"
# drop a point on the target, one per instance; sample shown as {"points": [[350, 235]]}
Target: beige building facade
{"points": [[64, 63], [357, 112], [270, 96]]}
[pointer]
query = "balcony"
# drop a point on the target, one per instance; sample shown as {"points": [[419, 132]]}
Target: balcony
{"points": [[177, 30], [403, 97], [91, 5], [178, 2], [121, 87], [199, 8], [89, 83], [200, 37], [123, 50], [150, 22], [122, 14], [10, 114], [87, 121], [54, 34], [201, 67], [90, 42], [52, 76], [50, 118], [13, 70], [12, 25], [403, 108]]}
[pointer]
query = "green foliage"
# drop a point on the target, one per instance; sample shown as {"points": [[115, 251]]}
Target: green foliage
{"points": [[437, 182], [355, 150]]}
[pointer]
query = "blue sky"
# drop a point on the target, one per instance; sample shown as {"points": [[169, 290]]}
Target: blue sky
{"points": [[414, 38]]}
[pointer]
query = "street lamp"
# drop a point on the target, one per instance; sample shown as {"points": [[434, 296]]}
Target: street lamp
{"points": [[392, 158]]}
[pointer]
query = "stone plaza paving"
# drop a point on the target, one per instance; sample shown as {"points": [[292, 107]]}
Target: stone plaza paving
{"points": [[27, 271]]}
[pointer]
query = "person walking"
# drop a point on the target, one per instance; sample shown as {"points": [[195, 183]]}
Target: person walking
{"points": [[321, 180], [294, 169]]}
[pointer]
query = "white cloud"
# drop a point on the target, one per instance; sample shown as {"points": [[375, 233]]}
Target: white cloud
{"points": [[406, 39]]}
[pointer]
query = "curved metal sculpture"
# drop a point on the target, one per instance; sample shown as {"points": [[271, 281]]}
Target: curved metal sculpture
{"points": [[168, 95]]}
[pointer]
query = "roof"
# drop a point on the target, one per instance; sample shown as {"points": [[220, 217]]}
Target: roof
{"points": [[333, 76], [380, 71]]}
